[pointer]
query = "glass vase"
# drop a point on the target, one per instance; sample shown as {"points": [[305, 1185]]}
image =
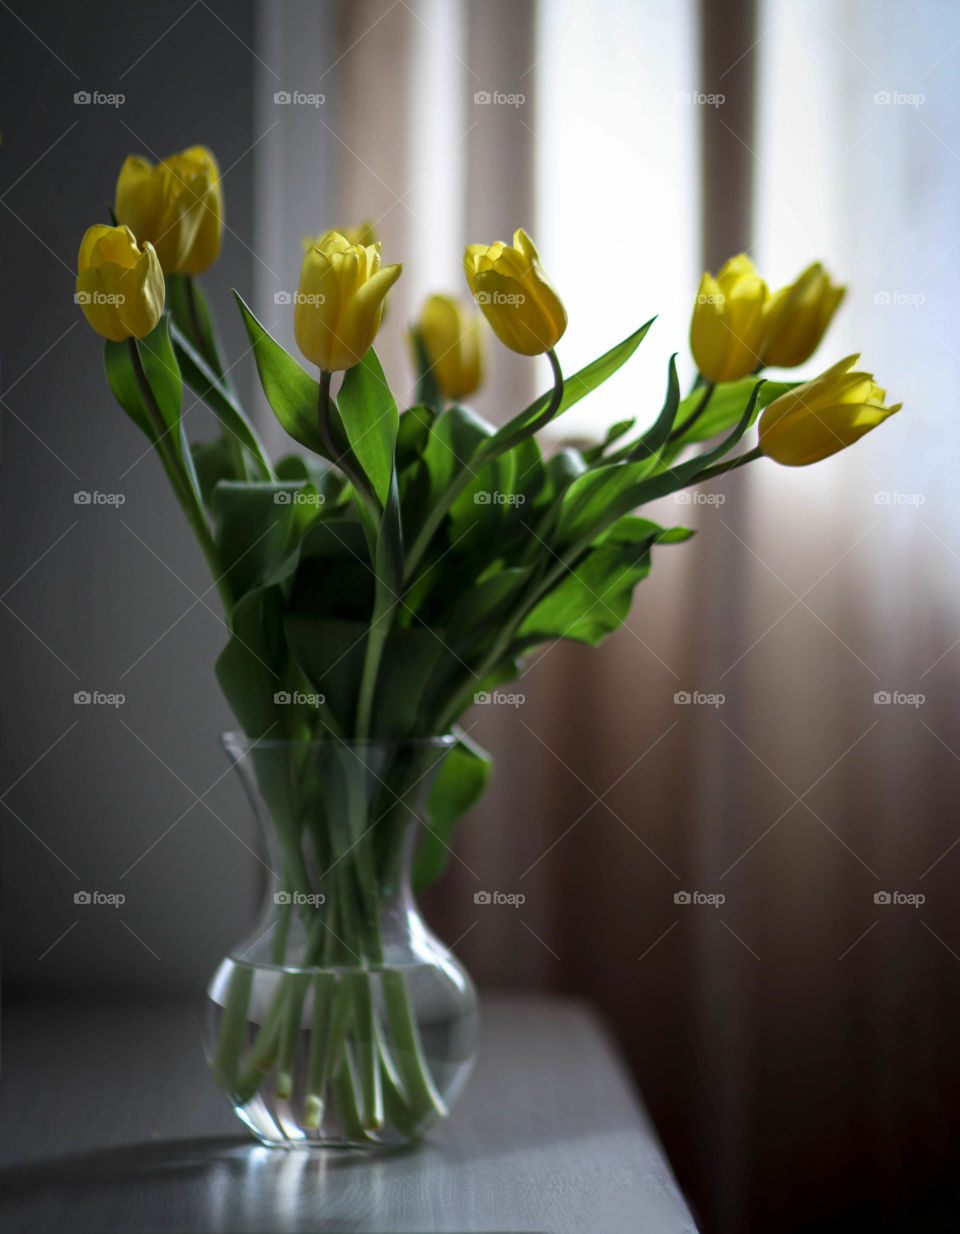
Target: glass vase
{"points": [[341, 1021]]}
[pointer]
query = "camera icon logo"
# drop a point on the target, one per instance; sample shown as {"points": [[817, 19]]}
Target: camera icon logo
{"points": [[682, 696], [281, 96], [81, 297], [482, 297], [482, 96], [481, 499], [282, 897], [81, 897], [682, 499], [883, 697], [83, 697], [481, 897], [282, 297], [283, 698], [681, 897], [81, 498], [881, 897], [82, 96], [482, 697], [283, 498]]}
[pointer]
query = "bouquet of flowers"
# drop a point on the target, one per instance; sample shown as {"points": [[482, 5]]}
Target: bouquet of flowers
{"points": [[396, 564]]}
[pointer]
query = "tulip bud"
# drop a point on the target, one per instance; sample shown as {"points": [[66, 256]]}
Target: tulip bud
{"points": [[514, 294], [364, 233], [339, 302], [119, 286], [822, 416], [726, 330], [454, 345], [177, 205], [797, 316]]}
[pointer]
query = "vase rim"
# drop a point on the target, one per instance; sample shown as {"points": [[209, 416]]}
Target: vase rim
{"points": [[237, 740]]}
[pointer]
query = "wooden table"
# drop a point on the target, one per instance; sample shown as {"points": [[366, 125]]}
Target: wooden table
{"points": [[110, 1122]]}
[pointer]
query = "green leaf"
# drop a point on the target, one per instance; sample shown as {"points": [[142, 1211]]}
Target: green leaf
{"points": [[593, 454], [254, 522], [220, 398], [213, 461], [654, 437], [603, 494], [726, 406], [291, 392], [428, 392], [594, 598], [200, 332], [575, 388], [458, 785], [370, 419]]}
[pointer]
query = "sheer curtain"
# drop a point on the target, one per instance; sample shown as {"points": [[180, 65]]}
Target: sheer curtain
{"points": [[801, 1031]]}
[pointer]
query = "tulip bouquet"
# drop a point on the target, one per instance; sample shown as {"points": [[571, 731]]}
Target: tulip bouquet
{"points": [[401, 561]]}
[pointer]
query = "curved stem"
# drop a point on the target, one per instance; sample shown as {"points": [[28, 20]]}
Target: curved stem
{"points": [[466, 474], [719, 469], [182, 485]]}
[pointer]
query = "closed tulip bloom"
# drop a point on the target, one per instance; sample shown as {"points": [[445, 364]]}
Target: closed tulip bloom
{"points": [[453, 342], [822, 416], [177, 205], [119, 285], [363, 233], [514, 294], [726, 330], [797, 317], [339, 302]]}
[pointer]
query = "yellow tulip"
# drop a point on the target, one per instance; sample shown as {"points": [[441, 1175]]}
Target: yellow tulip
{"points": [[364, 233], [514, 294], [726, 330], [453, 342], [119, 285], [177, 205], [822, 416], [339, 302], [797, 317]]}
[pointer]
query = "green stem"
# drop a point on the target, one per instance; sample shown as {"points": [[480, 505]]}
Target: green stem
{"points": [[466, 474], [182, 486], [226, 1056], [719, 469]]}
